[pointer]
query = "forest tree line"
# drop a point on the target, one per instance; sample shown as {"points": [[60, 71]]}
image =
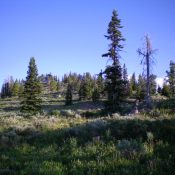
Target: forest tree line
{"points": [[111, 84], [92, 87]]}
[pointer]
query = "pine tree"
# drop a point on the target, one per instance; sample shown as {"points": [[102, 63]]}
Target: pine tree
{"points": [[3, 91], [58, 85], [6, 90], [21, 88], [141, 88], [31, 97], [53, 85], [171, 78], [159, 90], [69, 95], [100, 84], [133, 82], [86, 87], [96, 94], [15, 88], [126, 85], [166, 91], [113, 73], [153, 84]]}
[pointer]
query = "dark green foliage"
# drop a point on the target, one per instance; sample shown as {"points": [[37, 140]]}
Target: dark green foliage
{"points": [[69, 95], [100, 82], [171, 78], [115, 36], [86, 87], [74, 79], [49, 83], [141, 88], [95, 94], [15, 88], [114, 87], [167, 106], [6, 90], [83, 91], [113, 73], [98, 89], [21, 89], [166, 90], [99, 147], [126, 85], [32, 89], [58, 86], [53, 85], [153, 84], [159, 90], [133, 83]]}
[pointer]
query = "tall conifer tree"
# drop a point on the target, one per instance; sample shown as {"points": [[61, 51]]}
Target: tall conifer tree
{"points": [[32, 89], [113, 73], [69, 95]]}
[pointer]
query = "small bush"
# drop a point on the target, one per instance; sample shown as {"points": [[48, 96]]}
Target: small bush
{"points": [[55, 112], [67, 113]]}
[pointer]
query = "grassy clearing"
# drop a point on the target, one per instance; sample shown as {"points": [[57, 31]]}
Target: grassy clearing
{"points": [[58, 144]]}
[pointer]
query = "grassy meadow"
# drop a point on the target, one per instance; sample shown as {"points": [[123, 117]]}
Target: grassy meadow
{"points": [[82, 139]]}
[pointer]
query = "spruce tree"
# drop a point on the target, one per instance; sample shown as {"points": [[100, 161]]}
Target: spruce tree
{"points": [[100, 84], [15, 88], [69, 95], [153, 84], [141, 87], [166, 91], [133, 82], [58, 85], [21, 88], [84, 91], [126, 85], [96, 94], [159, 90], [6, 90], [86, 87], [3, 91], [53, 85], [171, 78], [31, 103], [113, 73], [81, 91]]}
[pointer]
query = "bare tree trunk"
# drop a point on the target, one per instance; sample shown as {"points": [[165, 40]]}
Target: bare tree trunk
{"points": [[148, 100], [148, 75], [147, 54]]}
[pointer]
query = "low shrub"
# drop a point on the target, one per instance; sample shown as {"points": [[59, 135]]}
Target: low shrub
{"points": [[55, 112]]}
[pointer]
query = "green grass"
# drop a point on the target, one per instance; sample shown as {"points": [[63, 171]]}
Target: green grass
{"points": [[58, 145]]}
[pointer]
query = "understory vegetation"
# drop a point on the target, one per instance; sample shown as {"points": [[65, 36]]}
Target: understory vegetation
{"points": [[76, 140]]}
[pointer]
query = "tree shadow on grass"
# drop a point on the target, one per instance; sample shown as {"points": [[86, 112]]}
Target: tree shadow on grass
{"points": [[11, 109], [57, 146]]}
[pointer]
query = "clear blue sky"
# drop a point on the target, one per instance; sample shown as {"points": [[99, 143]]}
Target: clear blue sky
{"points": [[68, 35]]}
